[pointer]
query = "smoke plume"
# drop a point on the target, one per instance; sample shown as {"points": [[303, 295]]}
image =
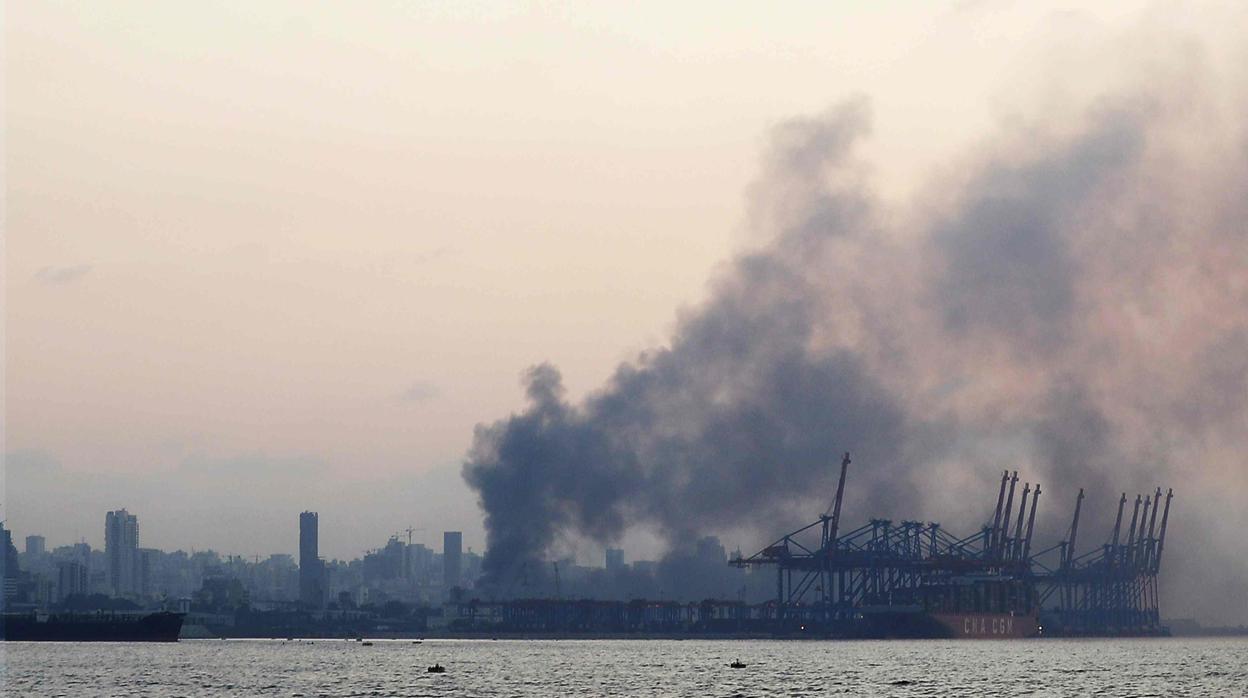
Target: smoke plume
{"points": [[1071, 302]]}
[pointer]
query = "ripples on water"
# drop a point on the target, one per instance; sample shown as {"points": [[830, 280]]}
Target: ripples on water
{"points": [[564, 668]]}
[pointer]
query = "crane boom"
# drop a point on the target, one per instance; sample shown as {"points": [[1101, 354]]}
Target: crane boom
{"points": [[1074, 527], [836, 505], [1031, 523]]}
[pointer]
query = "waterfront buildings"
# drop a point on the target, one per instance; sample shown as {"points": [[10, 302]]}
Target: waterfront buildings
{"points": [[121, 545], [452, 559], [312, 587], [614, 559], [36, 546]]}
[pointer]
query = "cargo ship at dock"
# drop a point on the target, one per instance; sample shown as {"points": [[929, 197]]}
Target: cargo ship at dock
{"points": [[161, 626], [640, 618], [970, 625], [987, 626]]}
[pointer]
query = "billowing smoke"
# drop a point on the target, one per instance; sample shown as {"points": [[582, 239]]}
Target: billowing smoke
{"points": [[1073, 303]]}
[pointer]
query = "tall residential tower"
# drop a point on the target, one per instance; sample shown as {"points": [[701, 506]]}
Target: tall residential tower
{"points": [[312, 590], [452, 559], [121, 547]]}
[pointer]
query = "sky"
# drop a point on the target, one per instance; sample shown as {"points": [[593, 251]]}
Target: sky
{"points": [[262, 258]]}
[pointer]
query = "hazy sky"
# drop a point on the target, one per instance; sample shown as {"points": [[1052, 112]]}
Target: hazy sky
{"points": [[263, 257]]}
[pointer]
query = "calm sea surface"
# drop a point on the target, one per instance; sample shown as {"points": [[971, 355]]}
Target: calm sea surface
{"points": [[564, 668]]}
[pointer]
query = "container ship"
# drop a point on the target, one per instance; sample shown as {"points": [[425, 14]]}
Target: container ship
{"points": [[91, 627]]}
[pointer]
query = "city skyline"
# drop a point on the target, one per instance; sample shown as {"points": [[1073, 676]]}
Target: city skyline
{"points": [[568, 281], [125, 525], [408, 573], [243, 384]]}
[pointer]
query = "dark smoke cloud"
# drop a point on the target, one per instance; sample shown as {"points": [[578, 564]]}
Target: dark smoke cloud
{"points": [[740, 414], [1074, 305], [1007, 268]]}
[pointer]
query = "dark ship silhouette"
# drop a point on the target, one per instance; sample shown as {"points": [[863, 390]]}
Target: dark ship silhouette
{"points": [[162, 626]]}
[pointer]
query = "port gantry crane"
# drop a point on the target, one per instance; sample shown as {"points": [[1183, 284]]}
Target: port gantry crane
{"points": [[883, 566], [887, 566], [1113, 588]]}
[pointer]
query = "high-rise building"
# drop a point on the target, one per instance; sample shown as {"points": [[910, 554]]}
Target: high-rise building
{"points": [[711, 551], [615, 559], [121, 546], [71, 579], [420, 558], [9, 571], [452, 558], [311, 568], [35, 546], [148, 569]]}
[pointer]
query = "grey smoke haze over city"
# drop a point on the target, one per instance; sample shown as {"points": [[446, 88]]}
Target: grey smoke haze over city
{"points": [[973, 236], [1070, 299]]}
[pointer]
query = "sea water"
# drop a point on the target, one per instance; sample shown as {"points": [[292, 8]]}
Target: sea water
{"points": [[566, 668]]}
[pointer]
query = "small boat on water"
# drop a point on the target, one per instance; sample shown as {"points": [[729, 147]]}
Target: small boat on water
{"points": [[737, 664], [436, 669]]}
